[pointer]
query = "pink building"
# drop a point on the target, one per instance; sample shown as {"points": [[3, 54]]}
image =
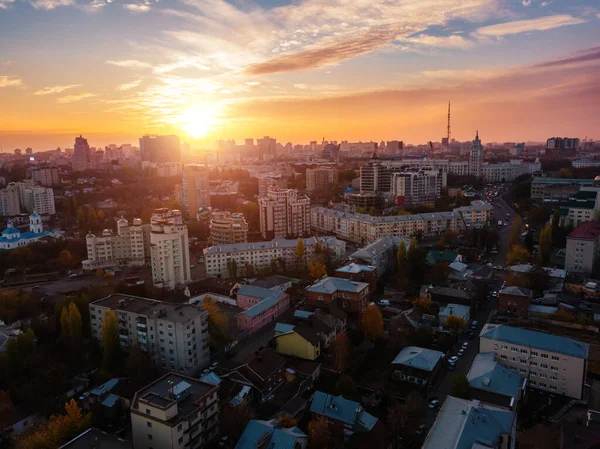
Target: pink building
{"points": [[262, 306]]}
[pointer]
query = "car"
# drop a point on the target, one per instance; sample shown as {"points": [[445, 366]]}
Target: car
{"points": [[474, 325], [384, 302], [494, 293], [35, 287], [214, 365], [452, 367], [465, 345], [461, 352], [205, 372], [201, 259], [223, 441], [73, 276], [453, 359], [434, 403]]}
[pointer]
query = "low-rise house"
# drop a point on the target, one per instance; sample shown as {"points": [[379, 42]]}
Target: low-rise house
{"points": [[325, 325], [297, 341], [514, 301], [225, 287], [446, 257], [548, 362], [464, 424], [275, 282], [458, 310], [493, 383], [350, 296], [94, 438], [380, 254], [448, 295], [358, 272], [262, 306], [260, 434], [416, 365]]}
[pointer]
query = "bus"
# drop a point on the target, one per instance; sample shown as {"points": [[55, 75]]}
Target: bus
{"points": [[133, 280]]}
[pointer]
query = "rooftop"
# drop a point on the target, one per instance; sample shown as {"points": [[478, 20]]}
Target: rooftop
{"points": [[444, 256], [388, 219], [586, 231], [537, 340], [454, 309], [268, 299], [96, 439], [271, 281], [273, 244], [355, 268], [420, 358], [379, 246], [488, 375], [267, 432], [516, 291], [564, 181], [341, 409], [149, 307], [330, 285]]}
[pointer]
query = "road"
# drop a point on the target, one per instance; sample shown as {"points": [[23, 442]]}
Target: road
{"points": [[500, 211]]}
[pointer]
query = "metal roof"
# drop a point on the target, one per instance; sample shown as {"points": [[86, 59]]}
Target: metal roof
{"points": [[265, 304], [420, 358], [330, 285], [273, 437], [341, 409], [488, 375]]}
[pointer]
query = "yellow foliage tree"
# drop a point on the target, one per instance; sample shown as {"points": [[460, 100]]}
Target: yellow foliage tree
{"points": [[455, 323], [425, 305], [517, 255], [316, 269], [372, 322]]}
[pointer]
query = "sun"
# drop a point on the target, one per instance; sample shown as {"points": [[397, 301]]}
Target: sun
{"points": [[197, 121]]}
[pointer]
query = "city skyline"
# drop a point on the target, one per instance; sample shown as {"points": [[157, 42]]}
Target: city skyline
{"points": [[346, 70]]}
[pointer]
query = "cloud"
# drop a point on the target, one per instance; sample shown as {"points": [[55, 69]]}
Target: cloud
{"points": [[6, 63], [452, 41], [131, 85], [131, 64], [75, 97], [526, 2], [8, 81], [544, 4], [589, 55], [136, 7], [50, 4], [4, 4], [523, 26], [253, 83], [55, 89]]}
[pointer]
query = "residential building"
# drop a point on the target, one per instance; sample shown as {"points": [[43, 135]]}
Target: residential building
{"points": [[349, 296], [129, 246], [269, 180], [326, 325], [548, 362], [96, 439], [448, 295], [417, 186], [562, 143], [323, 179], [478, 215], [195, 189], [267, 148], [583, 249], [585, 163], [175, 412], [514, 301], [297, 341], [224, 287], [284, 213], [83, 158], [274, 282], [358, 272], [559, 189], [458, 310], [364, 229], [446, 257], [476, 157], [169, 249], [259, 255], [493, 383], [10, 203], [368, 201], [581, 207], [159, 149], [12, 238], [175, 335], [462, 424], [225, 228], [40, 199], [269, 434], [417, 365], [261, 307], [47, 176], [380, 254]]}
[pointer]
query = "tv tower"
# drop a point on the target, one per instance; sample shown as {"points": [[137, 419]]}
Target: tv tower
{"points": [[448, 136]]}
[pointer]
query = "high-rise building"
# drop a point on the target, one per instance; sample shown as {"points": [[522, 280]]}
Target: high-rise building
{"points": [[175, 335], [476, 156], [195, 189], [412, 187], [169, 249], [225, 228], [267, 147], [284, 213], [28, 151], [583, 249], [325, 179], [159, 149], [562, 142], [40, 199], [176, 412], [82, 155], [46, 176], [10, 203]]}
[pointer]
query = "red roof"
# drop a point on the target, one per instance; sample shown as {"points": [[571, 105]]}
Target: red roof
{"points": [[587, 231]]}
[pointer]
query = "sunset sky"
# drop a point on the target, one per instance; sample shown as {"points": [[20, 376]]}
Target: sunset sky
{"points": [[297, 70]]}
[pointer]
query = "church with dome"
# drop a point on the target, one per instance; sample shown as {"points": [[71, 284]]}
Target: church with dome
{"points": [[13, 238]]}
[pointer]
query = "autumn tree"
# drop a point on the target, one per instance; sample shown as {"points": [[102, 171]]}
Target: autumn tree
{"points": [[460, 387], [455, 323], [517, 255], [92, 218], [110, 338], [439, 272], [545, 245], [341, 351], [318, 433], [299, 253], [514, 233], [425, 305], [372, 322], [233, 420], [403, 418], [316, 269], [448, 238], [66, 258], [101, 216], [401, 260], [218, 323], [232, 268], [81, 217]]}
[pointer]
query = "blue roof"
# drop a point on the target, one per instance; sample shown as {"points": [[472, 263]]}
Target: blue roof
{"points": [[488, 375], [111, 400], [355, 268], [255, 292], [10, 231], [341, 409], [330, 285], [420, 358], [105, 387], [265, 304], [278, 437], [283, 328], [537, 340], [211, 379], [302, 314]]}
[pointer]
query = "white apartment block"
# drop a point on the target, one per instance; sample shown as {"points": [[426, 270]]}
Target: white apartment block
{"points": [[175, 335], [284, 213], [130, 246], [169, 249], [46, 176], [321, 179], [175, 412], [225, 228], [40, 199], [259, 255], [477, 215], [414, 187], [364, 229], [548, 362], [583, 249], [10, 203]]}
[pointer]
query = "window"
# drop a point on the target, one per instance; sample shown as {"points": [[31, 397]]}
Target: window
{"points": [[544, 356], [543, 376], [532, 373], [148, 424], [523, 361], [180, 440], [170, 351], [553, 387], [503, 347], [522, 370], [542, 384], [544, 365], [554, 378], [533, 382], [554, 368], [147, 411], [513, 349], [555, 357], [534, 353], [533, 364], [524, 351], [503, 357], [512, 368], [179, 428], [514, 359], [149, 436]]}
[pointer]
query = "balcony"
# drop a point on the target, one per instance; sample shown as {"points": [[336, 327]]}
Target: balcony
{"points": [[140, 326]]}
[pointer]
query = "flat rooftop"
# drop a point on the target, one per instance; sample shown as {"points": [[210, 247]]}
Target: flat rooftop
{"points": [[147, 306]]}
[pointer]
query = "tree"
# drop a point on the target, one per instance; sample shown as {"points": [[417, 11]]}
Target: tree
{"points": [[448, 238], [372, 322], [232, 268], [299, 253], [416, 262], [64, 324], [282, 265], [514, 233], [425, 305], [233, 420], [517, 255], [346, 387], [405, 417], [92, 218], [318, 433], [101, 216], [249, 270], [316, 269], [545, 245], [218, 323], [75, 324], [401, 260], [65, 257], [455, 323], [422, 336], [565, 173], [81, 217], [439, 272], [341, 351], [460, 387], [110, 338]]}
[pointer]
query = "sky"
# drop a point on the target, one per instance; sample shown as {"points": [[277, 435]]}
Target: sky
{"points": [[297, 70]]}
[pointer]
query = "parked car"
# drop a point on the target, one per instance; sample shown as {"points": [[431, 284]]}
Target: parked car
{"points": [[421, 430], [453, 359], [474, 325], [452, 367], [465, 345], [461, 352], [384, 302], [434, 403]]}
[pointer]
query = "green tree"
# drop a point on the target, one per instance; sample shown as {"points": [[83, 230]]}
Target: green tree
{"points": [[75, 324], [460, 387], [110, 338], [514, 233], [545, 245], [401, 260], [64, 324]]}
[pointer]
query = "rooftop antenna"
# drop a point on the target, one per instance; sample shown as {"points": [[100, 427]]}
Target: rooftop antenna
{"points": [[448, 130]]}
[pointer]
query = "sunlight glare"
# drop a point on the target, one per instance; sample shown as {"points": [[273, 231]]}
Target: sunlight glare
{"points": [[197, 121]]}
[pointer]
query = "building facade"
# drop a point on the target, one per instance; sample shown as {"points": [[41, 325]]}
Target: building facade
{"points": [[10, 203], [169, 249], [284, 213], [417, 186], [12, 238], [225, 228], [348, 296], [324, 179], [261, 307], [46, 176], [514, 301], [195, 190], [159, 149], [583, 249], [175, 335]]}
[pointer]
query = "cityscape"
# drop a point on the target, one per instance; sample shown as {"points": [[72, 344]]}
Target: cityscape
{"points": [[299, 225]]}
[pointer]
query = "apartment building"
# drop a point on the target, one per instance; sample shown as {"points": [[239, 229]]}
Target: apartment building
{"points": [[169, 249], [548, 362], [261, 307], [284, 213], [195, 189], [175, 412], [348, 296], [46, 176], [581, 207], [559, 189], [129, 246], [225, 228], [583, 249], [380, 254], [40, 199], [477, 215], [364, 229], [476, 157], [417, 186], [175, 335], [10, 204], [259, 255], [324, 179]]}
